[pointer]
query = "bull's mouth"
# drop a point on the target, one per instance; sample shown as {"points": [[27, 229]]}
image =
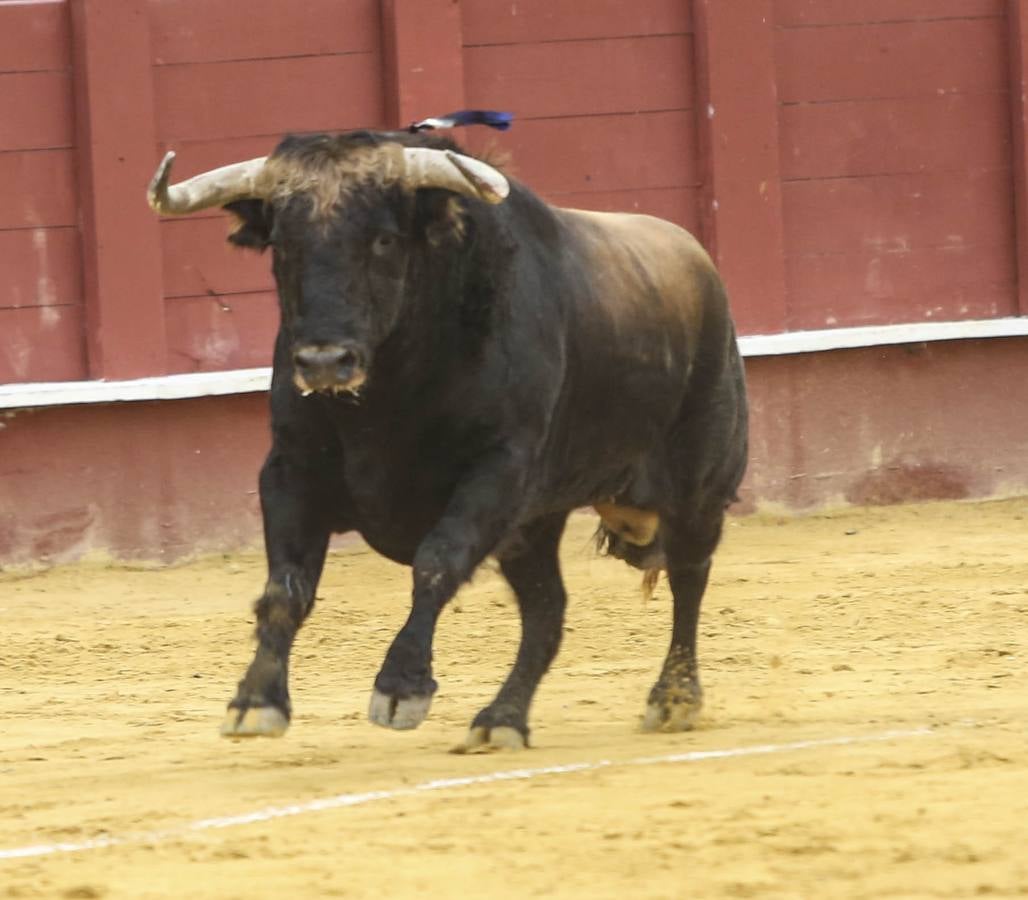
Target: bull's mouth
{"points": [[351, 386], [328, 369]]}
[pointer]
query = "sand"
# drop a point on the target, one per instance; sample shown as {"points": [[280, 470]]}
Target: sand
{"points": [[843, 625]]}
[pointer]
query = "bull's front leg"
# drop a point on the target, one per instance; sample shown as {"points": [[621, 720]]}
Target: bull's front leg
{"points": [[297, 516], [481, 511]]}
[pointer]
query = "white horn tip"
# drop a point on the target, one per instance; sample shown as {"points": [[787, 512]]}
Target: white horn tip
{"points": [[157, 190], [490, 184]]}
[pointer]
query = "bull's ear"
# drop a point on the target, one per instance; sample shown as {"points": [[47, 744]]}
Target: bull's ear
{"points": [[254, 223], [440, 215]]}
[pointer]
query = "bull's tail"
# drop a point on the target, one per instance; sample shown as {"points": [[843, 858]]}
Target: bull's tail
{"points": [[647, 557]]}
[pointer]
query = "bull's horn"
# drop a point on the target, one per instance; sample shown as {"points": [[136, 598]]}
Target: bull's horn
{"points": [[214, 188], [426, 167]]}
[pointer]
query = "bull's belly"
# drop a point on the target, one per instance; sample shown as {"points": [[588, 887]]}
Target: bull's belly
{"points": [[394, 509], [392, 546], [399, 497], [395, 528]]}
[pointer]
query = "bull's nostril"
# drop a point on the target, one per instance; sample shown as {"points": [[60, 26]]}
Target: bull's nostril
{"points": [[335, 359], [347, 358]]}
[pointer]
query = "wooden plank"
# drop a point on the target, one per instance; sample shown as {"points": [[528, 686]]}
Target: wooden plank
{"points": [[1018, 32], [678, 205], [41, 266], [121, 259], [38, 188], [870, 288], [599, 153], [529, 21], [741, 213], [227, 100], [218, 30], [892, 136], [422, 59], [41, 344], [636, 74], [792, 13], [34, 37], [951, 210], [212, 333], [197, 260], [898, 60], [36, 111]]}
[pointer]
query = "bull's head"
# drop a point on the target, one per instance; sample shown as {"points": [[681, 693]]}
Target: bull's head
{"points": [[343, 216]]}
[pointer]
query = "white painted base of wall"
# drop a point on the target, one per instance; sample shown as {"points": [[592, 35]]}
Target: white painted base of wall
{"points": [[245, 381]]}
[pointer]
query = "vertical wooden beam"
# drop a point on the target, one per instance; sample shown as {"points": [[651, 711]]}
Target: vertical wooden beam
{"points": [[424, 59], [737, 107], [117, 147], [1017, 28]]}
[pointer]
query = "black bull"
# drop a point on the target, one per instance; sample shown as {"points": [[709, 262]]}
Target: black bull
{"points": [[457, 368]]}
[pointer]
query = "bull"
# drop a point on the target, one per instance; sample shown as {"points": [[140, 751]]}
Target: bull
{"points": [[458, 366]]}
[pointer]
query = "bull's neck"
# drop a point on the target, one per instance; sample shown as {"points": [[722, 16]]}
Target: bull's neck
{"points": [[432, 340]]}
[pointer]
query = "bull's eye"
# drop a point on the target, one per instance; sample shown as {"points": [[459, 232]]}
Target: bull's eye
{"points": [[384, 243]]}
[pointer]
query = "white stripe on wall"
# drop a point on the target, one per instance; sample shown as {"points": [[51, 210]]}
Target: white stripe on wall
{"points": [[245, 381]]}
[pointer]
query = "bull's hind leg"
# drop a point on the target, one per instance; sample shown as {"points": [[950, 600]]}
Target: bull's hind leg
{"points": [[677, 698], [296, 535], [532, 569]]}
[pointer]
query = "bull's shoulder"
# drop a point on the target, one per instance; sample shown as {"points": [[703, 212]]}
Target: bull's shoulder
{"points": [[644, 268]]}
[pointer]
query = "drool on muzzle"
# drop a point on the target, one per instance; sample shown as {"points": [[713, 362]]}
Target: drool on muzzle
{"points": [[328, 368]]}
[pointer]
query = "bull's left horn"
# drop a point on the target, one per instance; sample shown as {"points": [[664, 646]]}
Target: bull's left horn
{"points": [[214, 188], [425, 167]]}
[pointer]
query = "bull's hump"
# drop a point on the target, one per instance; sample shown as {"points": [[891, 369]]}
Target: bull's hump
{"points": [[638, 230], [639, 258]]}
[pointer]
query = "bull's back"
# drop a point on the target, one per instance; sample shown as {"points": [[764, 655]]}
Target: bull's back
{"points": [[644, 306]]}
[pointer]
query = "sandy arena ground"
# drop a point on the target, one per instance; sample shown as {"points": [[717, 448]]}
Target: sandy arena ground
{"points": [[845, 625]]}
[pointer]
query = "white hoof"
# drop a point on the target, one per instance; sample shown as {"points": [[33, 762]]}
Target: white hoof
{"points": [[671, 718], [258, 721], [402, 715], [487, 740]]}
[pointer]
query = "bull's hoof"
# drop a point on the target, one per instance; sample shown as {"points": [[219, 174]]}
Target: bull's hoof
{"points": [[671, 716], [403, 715], [480, 739], [257, 721]]}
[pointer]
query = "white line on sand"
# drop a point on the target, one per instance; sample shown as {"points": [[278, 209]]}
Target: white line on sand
{"points": [[340, 801]]}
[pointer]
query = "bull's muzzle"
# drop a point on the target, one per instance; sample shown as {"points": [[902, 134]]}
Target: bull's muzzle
{"points": [[330, 368]]}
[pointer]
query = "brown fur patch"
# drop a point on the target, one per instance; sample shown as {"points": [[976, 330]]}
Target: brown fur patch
{"points": [[328, 173], [452, 225], [649, 583], [637, 526]]}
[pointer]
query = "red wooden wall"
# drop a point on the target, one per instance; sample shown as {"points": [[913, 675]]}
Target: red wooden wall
{"points": [[41, 300], [895, 131], [605, 103], [850, 162]]}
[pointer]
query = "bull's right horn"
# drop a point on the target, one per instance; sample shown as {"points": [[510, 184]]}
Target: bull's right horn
{"points": [[214, 188], [428, 167]]}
